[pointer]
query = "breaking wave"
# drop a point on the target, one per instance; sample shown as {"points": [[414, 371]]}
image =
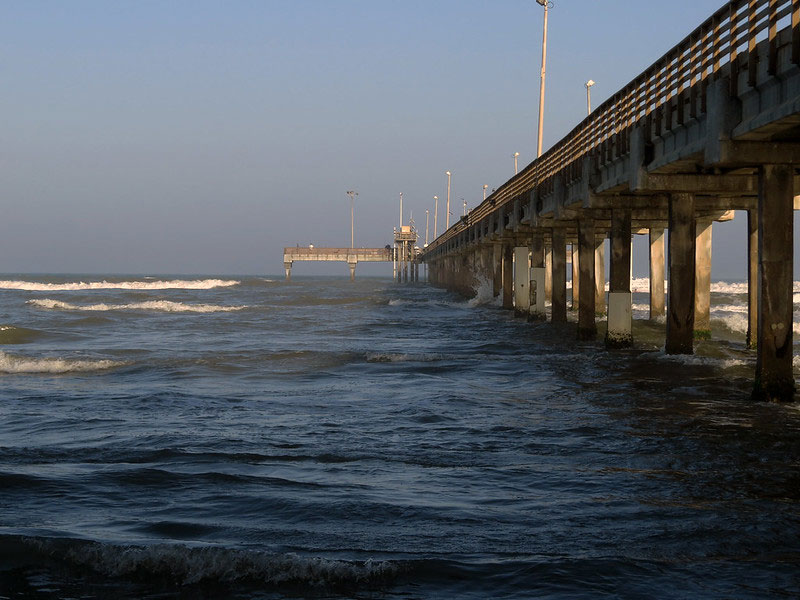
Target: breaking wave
{"points": [[184, 284], [153, 305], [193, 565], [10, 363]]}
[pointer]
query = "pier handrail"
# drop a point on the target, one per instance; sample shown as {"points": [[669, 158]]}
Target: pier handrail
{"points": [[681, 74]]}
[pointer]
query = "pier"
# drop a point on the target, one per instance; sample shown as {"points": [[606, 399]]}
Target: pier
{"points": [[710, 128], [404, 255]]}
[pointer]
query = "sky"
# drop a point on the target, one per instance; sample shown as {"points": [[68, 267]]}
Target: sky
{"points": [[202, 137]]}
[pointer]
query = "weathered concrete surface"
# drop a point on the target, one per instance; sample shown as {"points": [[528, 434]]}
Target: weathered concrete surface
{"points": [[619, 333], [497, 269], [559, 277], [702, 280], [657, 304], [576, 276], [522, 282], [774, 378], [508, 276], [680, 309], [600, 275], [587, 326], [752, 278], [538, 277]]}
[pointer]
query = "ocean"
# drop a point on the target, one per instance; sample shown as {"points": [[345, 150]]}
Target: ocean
{"points": [[244, 437]]}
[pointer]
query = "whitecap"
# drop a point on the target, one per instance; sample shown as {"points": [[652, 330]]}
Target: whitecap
{"points": [[10, 363], [182, 284], [152, 305]]}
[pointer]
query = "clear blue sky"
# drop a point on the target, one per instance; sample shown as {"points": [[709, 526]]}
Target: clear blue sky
{"points": [[202, 137]]}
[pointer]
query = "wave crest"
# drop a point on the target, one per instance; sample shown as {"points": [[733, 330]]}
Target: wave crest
{"points": [[182, 284], [153, 305], [10, 363]]}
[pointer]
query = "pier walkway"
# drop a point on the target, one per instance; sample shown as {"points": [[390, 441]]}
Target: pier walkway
{"points": [[712, 127]]}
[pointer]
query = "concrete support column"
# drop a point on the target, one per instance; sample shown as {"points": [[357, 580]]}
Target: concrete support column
{"points": [[657, 306], [587, 326], [508, 276], [522, 281], [702, 280], [487, 266], [620, 333], [680, 307], [537, 279], [288, 267], [352, 270], [559, 276], [774, 378], [752, 278], [497, 269], [576, 276], [600, 275], [548, 273]]}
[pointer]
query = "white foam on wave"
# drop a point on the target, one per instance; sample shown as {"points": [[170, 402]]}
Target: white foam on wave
{"points": [[10, 363], [484, 294], [193, 565], [693, 359], [151, 305], [177, 284], [392, 357]]}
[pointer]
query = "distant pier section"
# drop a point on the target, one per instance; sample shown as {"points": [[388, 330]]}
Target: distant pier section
{"points": [[403, 256]]}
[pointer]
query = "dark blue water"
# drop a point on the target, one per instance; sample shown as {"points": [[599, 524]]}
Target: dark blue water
{"points": [[253, 439]]}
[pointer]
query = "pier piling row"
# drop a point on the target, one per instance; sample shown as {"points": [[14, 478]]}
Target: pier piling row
{"points": [[708, 129]]}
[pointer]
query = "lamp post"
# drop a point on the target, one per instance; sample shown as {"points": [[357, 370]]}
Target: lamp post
{"points": [[435, 217], [448, 199], [427, 215], [589, 85], [401, 212], [546, 6], [484, 191], [516, 156], [352, 195], [465, 207]]}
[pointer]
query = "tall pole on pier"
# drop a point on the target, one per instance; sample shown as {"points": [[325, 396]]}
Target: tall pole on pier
{"points": [[516, 156], [427, 215], [435, 216], [352, 195], [484, 191], [546, 5], [448, 199], [401, 212], [589, 85]]}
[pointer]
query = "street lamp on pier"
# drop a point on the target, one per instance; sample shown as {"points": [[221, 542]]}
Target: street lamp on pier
{"points": [[435, 217], [546, 4], [484, 191], [516, 156], [589, 85], [352, 195], [427, 215], [448, 199]]}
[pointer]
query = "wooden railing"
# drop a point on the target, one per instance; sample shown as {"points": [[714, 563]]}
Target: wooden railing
{"points": [[677, 80]]}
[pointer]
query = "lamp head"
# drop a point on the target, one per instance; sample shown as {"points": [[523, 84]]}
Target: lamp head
{"points": [[542, 2], [589, 83], [448, 173]]}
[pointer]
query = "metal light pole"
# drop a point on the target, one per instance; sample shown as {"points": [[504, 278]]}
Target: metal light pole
{"points": [[401, 212], [516, 156], [352, 195], [436, 217], [589, 85], [448, 199], [484, 191], [546, 6], [427, 215]]}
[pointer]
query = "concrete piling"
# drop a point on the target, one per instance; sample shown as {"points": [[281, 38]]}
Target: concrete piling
{"points": [[619, 333], [559, 276], [702, 280], [680, 307], [657, 305], [587, 325]]}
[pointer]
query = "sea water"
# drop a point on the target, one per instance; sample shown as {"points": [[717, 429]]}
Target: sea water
{"points": [[243, 437]]}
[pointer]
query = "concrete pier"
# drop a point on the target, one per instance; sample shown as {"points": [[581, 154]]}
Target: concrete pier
{"points": [[537, 278], [702, 280], [774, 379], [522, 281], [559, 276], [657, 304], [508, 276], [497, 269], [575, 254], [680, 307], [620, 333], [587, 325], [600, 276], [752, 278]]}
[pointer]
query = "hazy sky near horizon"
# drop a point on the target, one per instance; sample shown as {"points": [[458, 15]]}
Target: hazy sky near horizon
{"points": [[193, 136]]}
